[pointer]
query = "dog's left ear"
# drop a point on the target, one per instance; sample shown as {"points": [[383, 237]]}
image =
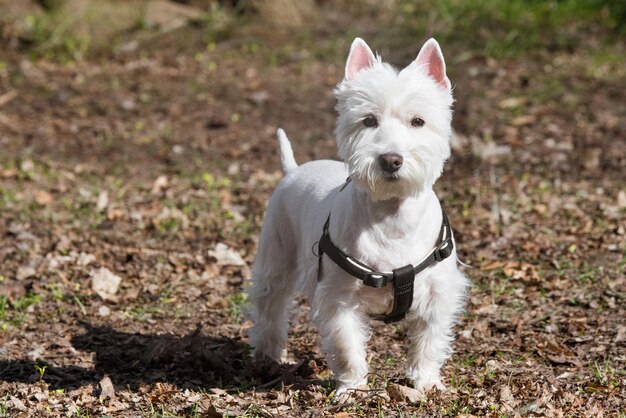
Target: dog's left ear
{"points": [[431, 58], [359, 58]]}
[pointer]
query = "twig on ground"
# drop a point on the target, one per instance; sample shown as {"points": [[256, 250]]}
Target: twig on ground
{"points": [[273, 382], [7, 97]]}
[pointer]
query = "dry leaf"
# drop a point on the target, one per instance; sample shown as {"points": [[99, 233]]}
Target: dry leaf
{"points": [[404, 393], [159, 184], [521, 271], [512, 102], [103, 201], [43, 198], [226, 256], [507, 397], [492, 265], [18, 404], [489, 151], [85, 259], [523, 120], [113, 214], [621, 199], [105, 283], [108, 391]]}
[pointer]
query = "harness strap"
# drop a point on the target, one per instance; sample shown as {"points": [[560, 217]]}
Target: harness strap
{"points": [[403, 277], [402, 294], [350, 265]]}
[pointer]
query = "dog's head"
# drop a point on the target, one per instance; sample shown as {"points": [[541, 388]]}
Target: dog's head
{"points": [[393, 129]]}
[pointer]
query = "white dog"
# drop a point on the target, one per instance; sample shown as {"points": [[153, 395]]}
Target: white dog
{"points": [[393, 135]]}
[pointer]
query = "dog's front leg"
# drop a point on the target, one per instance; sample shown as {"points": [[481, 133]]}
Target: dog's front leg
{"points": [[345, 332], [430, 346]]}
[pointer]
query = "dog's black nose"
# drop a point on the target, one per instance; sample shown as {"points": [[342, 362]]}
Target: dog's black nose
{"points": [[390, 162]]}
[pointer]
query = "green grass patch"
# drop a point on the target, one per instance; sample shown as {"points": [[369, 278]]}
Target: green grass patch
{"points": [[7, 197], [502, 28], [14, 312], [237, 304], [52, 38], [4, 409], [605, 374], [143, 313]]}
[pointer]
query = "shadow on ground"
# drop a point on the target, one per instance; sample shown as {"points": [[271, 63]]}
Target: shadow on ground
{"points": [[194, 361]]}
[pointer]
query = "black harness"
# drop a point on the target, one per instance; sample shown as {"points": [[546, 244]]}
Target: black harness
{"points": [[402, 278]]}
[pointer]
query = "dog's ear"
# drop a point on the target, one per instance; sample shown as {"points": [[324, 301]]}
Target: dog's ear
{"points": [[360, 57], [431, 58]]}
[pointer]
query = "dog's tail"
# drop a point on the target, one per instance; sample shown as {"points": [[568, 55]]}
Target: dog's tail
{"points": [[286, 153]]}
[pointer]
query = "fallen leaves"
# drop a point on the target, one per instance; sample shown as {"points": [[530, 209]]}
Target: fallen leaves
{"points": [[122, 163], [515, 270], [507, 398], [557, 353]]}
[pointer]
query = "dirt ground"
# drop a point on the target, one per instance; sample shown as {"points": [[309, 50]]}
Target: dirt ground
{"points": [[133, 185]]}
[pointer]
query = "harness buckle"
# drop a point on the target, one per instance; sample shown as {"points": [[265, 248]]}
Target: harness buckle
{"points": [[315, 249], [443, 251], [375, 279]]}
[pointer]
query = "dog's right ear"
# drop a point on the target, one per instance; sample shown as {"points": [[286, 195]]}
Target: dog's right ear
{"points": [[360, 58]]}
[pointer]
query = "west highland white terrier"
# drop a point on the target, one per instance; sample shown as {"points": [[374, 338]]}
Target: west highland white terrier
{"points": [[377, 245]]}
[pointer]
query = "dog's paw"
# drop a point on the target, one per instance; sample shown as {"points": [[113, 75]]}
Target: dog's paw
{"points": [[347, 392], [424, 381], [264, 364], [269, 356]]}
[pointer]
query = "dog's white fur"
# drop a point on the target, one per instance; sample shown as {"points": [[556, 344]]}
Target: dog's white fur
{"points": [[383, 223]]}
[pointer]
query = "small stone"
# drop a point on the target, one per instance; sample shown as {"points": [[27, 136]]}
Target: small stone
{"points": [[27, 166], [25, 272], [104, 311], [259, 97], [233, 169]]}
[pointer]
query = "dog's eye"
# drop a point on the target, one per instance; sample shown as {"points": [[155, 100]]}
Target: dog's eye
{"points": [[417, 122], [370, 122]]}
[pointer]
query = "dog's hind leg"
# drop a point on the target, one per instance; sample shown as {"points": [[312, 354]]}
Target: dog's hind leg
{"points": [[272, 290]]}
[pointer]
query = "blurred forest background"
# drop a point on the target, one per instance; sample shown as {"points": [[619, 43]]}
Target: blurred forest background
{"points": [[137, 155]]}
